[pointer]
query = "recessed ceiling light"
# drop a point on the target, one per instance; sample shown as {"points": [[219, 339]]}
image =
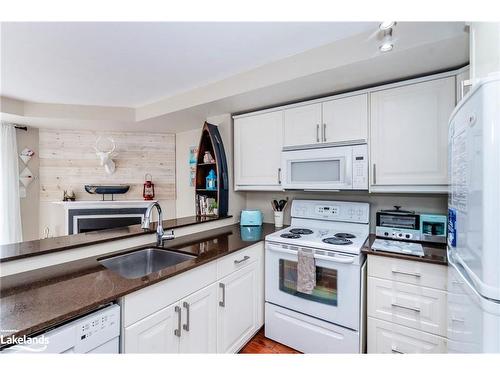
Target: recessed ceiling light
{"points": [[386, 47], [386, 25]]}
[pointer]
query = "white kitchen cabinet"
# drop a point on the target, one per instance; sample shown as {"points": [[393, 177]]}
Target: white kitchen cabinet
{"points": [[302, 125], [386, 337], [407, 303], [187, 326], [185, 315], [409, 136], [199, 322], [258, 141], [155, 333], [346, 119], [238, 315]]}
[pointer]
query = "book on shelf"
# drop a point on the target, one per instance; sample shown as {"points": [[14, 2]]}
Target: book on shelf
{"points": [[205, 206]]}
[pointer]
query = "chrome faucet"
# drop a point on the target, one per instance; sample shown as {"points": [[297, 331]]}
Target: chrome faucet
{"points": [[160, 233]]}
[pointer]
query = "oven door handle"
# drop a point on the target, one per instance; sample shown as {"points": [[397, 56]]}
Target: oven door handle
{"points": [[336, 259]]}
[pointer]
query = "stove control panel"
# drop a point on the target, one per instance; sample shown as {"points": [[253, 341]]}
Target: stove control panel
{"points": [[354, 212]]}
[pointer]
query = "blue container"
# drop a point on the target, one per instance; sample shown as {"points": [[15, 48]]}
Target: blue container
{"points": [[251, 218]]}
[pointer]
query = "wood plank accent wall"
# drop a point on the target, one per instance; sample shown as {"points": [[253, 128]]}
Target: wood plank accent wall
{"points": [[68, 161]]}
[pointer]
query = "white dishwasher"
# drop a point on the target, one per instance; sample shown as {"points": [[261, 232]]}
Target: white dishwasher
{"points": [[97, 332]]}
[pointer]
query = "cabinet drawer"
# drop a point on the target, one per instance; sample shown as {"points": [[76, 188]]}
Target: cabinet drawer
{"points": [[408, 271], [409, 305], [384, 337], [239, 259]]}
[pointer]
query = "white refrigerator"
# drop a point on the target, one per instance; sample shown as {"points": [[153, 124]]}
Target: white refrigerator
{"points": [[474, 221]]}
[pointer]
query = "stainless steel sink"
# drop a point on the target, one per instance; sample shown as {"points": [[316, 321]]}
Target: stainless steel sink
{"points": [[144, 261]]}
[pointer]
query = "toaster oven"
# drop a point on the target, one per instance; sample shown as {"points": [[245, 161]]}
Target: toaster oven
{"points": [[398, 224]]}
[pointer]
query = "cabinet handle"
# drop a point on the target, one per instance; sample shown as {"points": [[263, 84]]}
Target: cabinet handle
{"points": [[324, 132], [279, 176], [458, 320], [245, 258], [394, 350], [374, 174], [223, 302], [317, 133], [405, 307], [177, 331], [407, 273], [186, 326]]}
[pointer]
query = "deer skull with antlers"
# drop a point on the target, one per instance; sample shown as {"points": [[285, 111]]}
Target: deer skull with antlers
{"points": [[104, 156]]}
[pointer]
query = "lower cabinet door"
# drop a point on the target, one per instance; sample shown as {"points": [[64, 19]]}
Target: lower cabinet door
{"points": [[385, 337], [199, 322], [154, 334], [238, 308]]}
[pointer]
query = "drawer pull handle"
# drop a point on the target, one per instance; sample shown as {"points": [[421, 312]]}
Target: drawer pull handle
{"points": [[405, 307], [177, 331], [186, 326], [394, 350], [407, 273], [458, 320], [245, 258], [223, 302]]}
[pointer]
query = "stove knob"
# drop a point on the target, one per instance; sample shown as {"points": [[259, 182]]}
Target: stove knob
{"points": [[407, 236], [386, 234]]}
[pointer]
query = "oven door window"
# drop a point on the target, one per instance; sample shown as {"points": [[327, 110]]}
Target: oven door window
{"points": [[326, 283]]}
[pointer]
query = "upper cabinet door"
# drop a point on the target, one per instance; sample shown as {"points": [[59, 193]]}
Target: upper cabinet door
{"points": [[256, 139], [302, 125], [199, 327], [408, 136], [346, 119]]}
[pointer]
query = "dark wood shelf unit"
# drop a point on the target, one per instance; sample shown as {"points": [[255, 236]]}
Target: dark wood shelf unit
{"points": [[211, 141]]}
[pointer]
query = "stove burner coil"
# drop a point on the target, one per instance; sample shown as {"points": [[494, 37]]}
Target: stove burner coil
{"points": [[301, 231], [337, 241], [290, 235], [344, 235]]}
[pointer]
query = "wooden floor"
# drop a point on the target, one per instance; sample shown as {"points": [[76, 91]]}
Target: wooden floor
{"points": [[260, 344]]}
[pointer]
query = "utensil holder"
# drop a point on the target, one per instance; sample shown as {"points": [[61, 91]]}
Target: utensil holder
{"points": [[278, 219]]}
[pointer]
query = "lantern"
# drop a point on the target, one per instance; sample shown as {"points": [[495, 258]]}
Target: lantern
{"points": [[148, 191]]}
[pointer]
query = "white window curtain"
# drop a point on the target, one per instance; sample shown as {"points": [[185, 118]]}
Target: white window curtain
{"points": [[10, 208]]}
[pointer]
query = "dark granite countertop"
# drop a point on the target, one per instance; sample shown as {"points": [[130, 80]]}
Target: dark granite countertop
{"points": [[433, 253], [48, 245], [36, 300]]}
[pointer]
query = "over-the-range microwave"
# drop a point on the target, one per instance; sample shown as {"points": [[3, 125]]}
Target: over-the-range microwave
{"points": [[326, 168]]}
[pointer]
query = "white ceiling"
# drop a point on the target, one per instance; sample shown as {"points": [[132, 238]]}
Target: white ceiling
{"points": [[133, 64]]}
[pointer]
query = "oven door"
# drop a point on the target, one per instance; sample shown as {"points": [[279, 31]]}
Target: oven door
{"points": [[336, 297], [328, 168]]}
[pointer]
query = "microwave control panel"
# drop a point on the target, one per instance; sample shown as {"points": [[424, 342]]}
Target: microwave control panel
{"points": [[359, 167]]}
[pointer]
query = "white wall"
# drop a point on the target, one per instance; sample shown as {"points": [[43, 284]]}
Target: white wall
{"points": [[418, 202]]}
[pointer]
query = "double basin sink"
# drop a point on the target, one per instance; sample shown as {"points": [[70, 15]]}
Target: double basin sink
{"points": [[144, 261]]}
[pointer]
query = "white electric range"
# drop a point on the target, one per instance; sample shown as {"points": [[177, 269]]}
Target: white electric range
{"points": [[329, 320]]}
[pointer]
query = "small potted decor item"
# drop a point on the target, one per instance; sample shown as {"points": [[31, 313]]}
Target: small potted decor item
{"points": [[148, 191], [207, 158], [69, 196], [211, 180], [213, 208]]}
